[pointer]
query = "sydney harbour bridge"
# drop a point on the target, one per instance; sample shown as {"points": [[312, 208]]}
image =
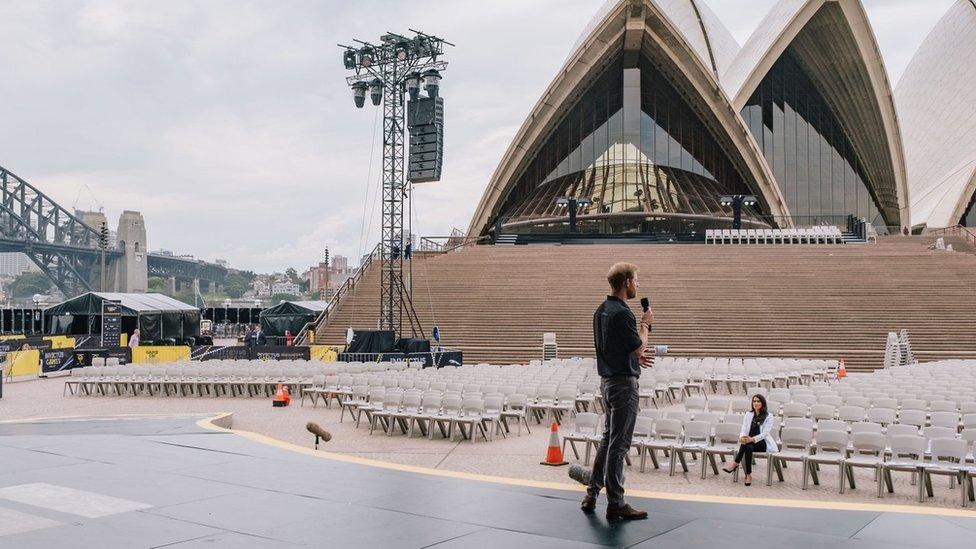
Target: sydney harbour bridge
{"points": [[68, 246]]}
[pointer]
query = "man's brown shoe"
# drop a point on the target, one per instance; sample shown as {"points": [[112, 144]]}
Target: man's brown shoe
{"points": [[588, 504], [625, 512]]}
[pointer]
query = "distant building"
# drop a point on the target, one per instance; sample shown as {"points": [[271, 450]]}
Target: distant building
{"points": [[15, 263], [95, 220], [285, 288], [340, 263], [261, 287], [318, 277]]}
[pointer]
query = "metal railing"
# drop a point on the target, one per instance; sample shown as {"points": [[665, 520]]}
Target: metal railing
{"points": [[444, 244], [338, 296], [958, 230], [642, 223]]}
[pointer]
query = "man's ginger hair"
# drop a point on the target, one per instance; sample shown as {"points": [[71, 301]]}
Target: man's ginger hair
{"points": [[619, 274]]}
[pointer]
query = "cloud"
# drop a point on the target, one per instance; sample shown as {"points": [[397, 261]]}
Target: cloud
{"points": [[228, 123]]}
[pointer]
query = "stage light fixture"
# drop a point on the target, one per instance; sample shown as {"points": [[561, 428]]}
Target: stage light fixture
{"points": [[359, 94], [432, 82], [412, 83], [366, 57], [349, 59], [402, 51], [376, 91]]}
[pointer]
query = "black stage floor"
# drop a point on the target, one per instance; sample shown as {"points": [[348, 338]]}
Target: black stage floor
{"points": [[154, 482]]}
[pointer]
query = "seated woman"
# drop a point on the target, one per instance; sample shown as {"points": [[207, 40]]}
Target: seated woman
{"points": [[756, 436]]}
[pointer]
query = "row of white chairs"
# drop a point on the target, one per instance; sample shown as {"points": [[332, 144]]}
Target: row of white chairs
{"points": [[819, 234], [544, 403], [405, 410], [215, 377], [933, 451]]}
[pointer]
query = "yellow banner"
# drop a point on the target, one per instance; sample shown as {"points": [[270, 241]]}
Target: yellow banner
{"points": [[23, 363], [155, 354], [325, 353], [6, 337], [61, 342]]}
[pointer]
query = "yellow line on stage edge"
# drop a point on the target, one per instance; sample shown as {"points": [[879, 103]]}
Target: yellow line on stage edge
{"points": [[210, 423]]}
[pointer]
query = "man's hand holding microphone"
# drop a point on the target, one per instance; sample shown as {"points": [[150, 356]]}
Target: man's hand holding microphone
{"points": [[644, 328]]}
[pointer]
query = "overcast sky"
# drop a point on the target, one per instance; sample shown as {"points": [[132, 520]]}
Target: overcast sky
{"points": [[228, 124]]}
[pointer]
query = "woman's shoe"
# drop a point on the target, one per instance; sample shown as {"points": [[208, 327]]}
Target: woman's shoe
{"points": [[730, 471], [748, 480]]}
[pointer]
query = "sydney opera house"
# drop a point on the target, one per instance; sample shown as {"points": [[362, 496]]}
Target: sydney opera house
{"points": [[658, 113]]}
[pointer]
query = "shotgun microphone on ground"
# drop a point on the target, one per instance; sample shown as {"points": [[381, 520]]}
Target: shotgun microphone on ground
{"points": [[319, 433]]}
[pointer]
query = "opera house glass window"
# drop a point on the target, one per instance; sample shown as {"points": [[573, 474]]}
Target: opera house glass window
{"points": [[633, 147], [969, 218], [813, 161]]}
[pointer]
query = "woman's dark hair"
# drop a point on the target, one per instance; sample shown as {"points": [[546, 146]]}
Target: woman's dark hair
{"points": [[763, 412]]}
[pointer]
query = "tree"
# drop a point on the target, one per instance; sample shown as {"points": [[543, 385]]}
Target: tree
{"points": [[237, 283], [185, 295], [28, 284], [157, 285]]}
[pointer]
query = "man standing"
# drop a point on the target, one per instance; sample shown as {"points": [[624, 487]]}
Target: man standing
{"points": [[260, 340], [255, 338], [620, 342]]}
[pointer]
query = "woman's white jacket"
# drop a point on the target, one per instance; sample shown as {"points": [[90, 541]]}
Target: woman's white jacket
{"points": [[765, 431]]}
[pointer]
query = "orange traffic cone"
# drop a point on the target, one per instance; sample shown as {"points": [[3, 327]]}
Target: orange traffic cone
{"points": [[841, 371], [281, 397], [554, 455]]}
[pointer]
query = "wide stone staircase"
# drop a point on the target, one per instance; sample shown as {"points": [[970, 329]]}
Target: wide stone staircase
{"points": [[818, 301]]}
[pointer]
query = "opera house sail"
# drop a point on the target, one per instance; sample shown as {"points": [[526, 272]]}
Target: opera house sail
{"points": [[937, 104], [643, 129], [811, 87]]}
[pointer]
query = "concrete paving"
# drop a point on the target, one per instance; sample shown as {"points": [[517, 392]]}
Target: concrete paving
{"points": [[164, 481]]}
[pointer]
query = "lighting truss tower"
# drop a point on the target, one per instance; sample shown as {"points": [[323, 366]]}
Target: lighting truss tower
{"points": [[396, 66]]}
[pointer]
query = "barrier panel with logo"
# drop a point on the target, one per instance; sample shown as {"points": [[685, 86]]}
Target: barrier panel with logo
{"points": [[9, 345], [237, 352], [83, 357], [283, 352], [325, 353], [156, 354], [57, 360], [434, 359], [220, 352]]}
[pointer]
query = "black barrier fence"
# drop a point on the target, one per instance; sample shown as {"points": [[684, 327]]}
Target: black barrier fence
{"points": [[435, 359], [233, 315], [270, 352], [27, 321]]}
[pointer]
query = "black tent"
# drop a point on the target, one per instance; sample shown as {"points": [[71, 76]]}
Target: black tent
{"points": [[157, 316], [290, 315]]}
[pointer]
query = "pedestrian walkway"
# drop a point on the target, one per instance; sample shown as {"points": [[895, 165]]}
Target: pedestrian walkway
{"points": [[165, 481]]}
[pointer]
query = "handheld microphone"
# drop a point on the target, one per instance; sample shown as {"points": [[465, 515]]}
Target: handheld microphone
{"points": [[319, 433], [646, 306]]}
